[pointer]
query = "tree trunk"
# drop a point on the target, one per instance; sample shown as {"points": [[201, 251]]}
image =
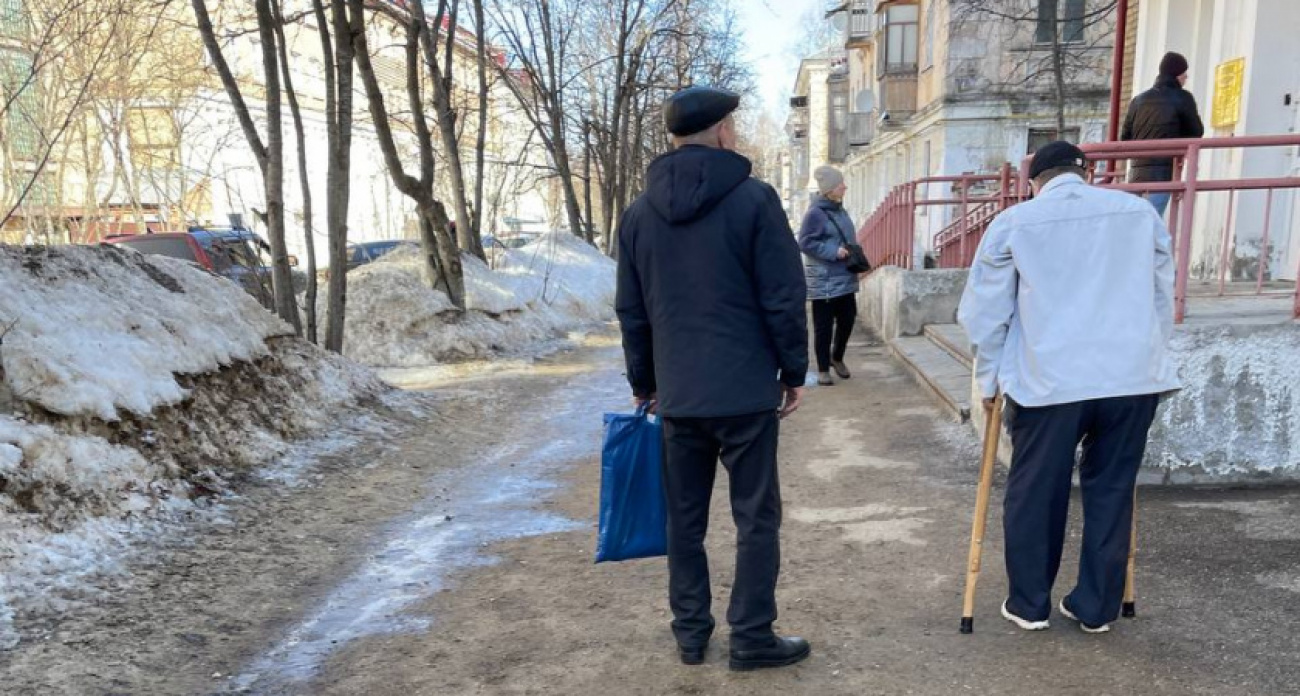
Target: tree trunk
{"points": [[269, 156], [338, 58], [281, 274], [441, 79], [586, 184], [440, 248], [480, 151], [303, 179], [1058, 78]]}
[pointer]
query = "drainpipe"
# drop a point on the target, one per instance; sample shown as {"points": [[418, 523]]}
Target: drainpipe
{"points": [[1117, 69]]}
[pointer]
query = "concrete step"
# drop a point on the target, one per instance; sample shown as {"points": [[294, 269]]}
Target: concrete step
{"points": [[938, 371], [952, 338]]}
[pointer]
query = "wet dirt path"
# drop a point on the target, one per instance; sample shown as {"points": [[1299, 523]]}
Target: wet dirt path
{"points": [[457, 559], [878, 490]]}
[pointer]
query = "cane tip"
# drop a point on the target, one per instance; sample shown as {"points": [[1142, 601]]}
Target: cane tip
{"points": [[1130, 610], [967, 625]]}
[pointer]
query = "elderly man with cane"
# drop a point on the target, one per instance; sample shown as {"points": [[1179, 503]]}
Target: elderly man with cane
{"points": [[1070, 306], [711, 303]]}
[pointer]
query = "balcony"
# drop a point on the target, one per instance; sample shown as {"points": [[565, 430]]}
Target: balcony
{"points": [[861, 27], [861, 129], [898, 96]]}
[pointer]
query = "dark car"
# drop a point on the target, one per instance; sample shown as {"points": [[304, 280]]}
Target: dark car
{"points": [[366, 252], [234, 253], [513, 240]]}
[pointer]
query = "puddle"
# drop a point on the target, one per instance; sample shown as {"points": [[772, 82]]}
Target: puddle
{"points": [[490, 500]]}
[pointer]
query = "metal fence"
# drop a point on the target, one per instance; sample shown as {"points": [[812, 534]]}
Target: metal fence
{"points": [[889, 234]]}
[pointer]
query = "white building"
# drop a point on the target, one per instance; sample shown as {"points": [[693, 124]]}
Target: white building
{"points": [[1212, 33]]}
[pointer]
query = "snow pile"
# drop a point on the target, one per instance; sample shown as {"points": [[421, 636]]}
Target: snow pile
{"points": [[100, 330], [537, 293], [131, 386]]}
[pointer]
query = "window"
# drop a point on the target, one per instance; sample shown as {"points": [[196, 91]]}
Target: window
{"points": [[839, 120], [900, 39], [1039, 137], [1071, 21]]}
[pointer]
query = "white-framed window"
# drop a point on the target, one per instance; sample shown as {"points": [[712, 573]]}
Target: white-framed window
{"points": [[899, 37]]}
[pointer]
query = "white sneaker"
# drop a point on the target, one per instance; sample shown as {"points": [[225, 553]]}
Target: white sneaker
{"points": [[1104, 628], [1022, 623]]}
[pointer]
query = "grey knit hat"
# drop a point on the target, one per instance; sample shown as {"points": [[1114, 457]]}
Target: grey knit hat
{"points": [[827, 178]]}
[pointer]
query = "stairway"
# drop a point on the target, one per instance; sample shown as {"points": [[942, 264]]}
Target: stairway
{"points": [[940, 360]]}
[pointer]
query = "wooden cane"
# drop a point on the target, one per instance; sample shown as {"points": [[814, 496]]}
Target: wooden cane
{"points": [[992, 433], [1129, 610]]}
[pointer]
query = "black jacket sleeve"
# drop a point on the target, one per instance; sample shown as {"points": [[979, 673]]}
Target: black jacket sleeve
{"points": [[633, 319], [782, 290], [1189, 118], [1127, 132]]}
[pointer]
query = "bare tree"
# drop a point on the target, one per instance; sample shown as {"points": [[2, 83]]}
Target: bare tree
{"points": [[540, 37], [61, 49], [442, 253], [338, 54], [268, 153], [291, 95], [482, 56], [1055, 48]]}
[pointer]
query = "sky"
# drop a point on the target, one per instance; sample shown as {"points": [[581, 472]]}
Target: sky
{"points": [[773, 30]]}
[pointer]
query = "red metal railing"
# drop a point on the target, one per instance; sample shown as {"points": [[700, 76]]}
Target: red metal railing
{"points": [[889, 234]]}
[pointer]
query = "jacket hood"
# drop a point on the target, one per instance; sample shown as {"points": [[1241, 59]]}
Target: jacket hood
{"points": [[687, 183]]}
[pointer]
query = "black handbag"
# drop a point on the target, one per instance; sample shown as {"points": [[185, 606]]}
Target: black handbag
{"points": [[857, 260]]}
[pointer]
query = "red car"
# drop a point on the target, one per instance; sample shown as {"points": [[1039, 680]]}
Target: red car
{"points": [[230, 253]]}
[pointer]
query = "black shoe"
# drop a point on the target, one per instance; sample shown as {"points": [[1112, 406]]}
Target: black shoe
{"points": [[841, 369], [691, 655], [785, 651]]}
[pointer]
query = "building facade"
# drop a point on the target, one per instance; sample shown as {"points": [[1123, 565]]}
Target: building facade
{"points": [[157, 145], [1257, 37], [933, 88]]}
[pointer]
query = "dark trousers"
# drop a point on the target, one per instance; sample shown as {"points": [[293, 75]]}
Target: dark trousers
{"points": [[832, 325], [747, 447], [1113, 433]]}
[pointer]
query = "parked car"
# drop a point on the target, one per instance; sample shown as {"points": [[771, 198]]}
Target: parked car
{"points": [[233, 253], [367, 252], [510, 240]]}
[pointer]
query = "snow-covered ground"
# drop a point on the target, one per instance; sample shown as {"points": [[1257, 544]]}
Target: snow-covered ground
{"points": [[536, 293], [130, 385]]}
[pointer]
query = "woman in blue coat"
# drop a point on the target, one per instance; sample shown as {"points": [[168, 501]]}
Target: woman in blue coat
{"points": [[823, 237]]}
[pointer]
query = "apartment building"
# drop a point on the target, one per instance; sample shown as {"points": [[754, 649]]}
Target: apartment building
{"points": [[926, 88]]}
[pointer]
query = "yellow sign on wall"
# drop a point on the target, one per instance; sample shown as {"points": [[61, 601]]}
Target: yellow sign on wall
{"points": [[1229, 78]]}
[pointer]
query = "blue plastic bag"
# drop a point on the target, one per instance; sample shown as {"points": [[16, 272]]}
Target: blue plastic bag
{"points": [[633, 509]]}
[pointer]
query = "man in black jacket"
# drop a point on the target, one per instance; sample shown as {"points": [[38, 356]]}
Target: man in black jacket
{"points": [[1163, 112], [711, 302]]}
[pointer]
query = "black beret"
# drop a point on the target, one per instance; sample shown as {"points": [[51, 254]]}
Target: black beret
{"points": [[1053, 155], [697, 108]]}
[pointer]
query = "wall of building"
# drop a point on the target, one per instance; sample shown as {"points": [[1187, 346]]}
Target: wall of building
{"points": [[1210, 32]]}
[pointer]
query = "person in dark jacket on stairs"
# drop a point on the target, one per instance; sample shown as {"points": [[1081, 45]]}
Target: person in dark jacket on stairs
{"points": [[823, 238], [1164, 112], [711, 304]]}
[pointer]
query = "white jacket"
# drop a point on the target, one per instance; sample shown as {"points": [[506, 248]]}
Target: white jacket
{"points": [[1071, 298]]}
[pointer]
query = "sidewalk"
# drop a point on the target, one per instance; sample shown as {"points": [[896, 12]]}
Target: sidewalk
{"points": [[879, 491]]}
